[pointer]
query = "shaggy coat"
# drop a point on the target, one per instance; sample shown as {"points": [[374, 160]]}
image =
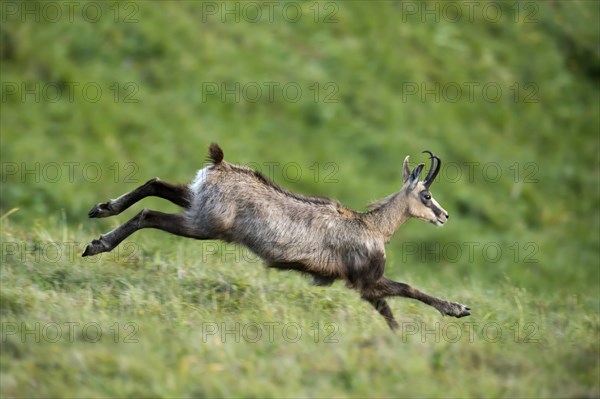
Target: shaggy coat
{"points": [[314, 235]]}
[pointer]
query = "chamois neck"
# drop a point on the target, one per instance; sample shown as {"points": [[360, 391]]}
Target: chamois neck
{"points": [[389, 214]]}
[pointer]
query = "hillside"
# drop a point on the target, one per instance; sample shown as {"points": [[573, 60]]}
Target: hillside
{"points": [[327, 98]]}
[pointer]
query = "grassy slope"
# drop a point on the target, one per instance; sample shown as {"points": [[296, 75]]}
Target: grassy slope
{"points": [[174, 288]]}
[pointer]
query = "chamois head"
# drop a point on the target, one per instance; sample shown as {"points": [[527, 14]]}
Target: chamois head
{"points": [[421, 204]]}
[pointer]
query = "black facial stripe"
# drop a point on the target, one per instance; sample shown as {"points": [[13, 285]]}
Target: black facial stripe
{"points": [[437, 211]]}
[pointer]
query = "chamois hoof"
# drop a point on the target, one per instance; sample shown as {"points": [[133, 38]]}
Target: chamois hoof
{"points": [[101, 211], [95, 247], [461, 311], [87, 251], [466, 312], [457, 310]]}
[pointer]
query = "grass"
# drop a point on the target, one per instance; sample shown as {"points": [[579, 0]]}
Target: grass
{"points": [[173, 325], [181, 318]]}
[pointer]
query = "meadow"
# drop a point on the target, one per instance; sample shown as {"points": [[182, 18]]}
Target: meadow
{"points": [[326, 98]]}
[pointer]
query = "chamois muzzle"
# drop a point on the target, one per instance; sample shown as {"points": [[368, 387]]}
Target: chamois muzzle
{"points": [[434, 169]]}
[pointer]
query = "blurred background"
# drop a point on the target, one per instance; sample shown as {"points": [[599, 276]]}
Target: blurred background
{"points": [[326, 98]]}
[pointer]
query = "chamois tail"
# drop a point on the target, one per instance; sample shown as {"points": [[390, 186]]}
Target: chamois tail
{"points": [[215, 153]]}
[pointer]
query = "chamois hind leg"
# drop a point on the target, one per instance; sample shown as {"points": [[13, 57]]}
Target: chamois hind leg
{"points": [[386, 287], [178, 194], [172, 223]]}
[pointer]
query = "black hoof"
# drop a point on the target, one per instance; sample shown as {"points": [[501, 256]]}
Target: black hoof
{"points": [[95, 247], [466, 312], [87, 251], [94, 212], [101, 211]]}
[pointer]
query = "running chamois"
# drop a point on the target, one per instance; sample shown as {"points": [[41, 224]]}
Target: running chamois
{"points": [[314, 235]]}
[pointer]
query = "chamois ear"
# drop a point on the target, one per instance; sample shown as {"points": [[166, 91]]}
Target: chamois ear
{"points": [[405, 170], [414, 176]]}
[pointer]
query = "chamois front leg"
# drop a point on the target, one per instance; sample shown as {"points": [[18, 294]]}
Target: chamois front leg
{"points": [[384, 309], [178, 194], [171, 223], [386, 287]]}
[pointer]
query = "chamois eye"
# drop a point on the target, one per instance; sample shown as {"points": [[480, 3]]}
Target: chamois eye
{"points": [[426, 197]]}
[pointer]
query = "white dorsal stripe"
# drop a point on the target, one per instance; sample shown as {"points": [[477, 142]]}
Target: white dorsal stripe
{"points": [[199, 180]]}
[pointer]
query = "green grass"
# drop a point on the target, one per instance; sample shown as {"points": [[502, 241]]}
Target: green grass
{"points": [[164, 304]]}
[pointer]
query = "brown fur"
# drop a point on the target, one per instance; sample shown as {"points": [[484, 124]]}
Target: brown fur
{"points": [[314, 235]]}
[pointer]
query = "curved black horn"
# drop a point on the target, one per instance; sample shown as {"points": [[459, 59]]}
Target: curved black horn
{"points": [[434, 169]]}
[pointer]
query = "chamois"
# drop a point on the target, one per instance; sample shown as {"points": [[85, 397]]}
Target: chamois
{"points": [[314, 235]]}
